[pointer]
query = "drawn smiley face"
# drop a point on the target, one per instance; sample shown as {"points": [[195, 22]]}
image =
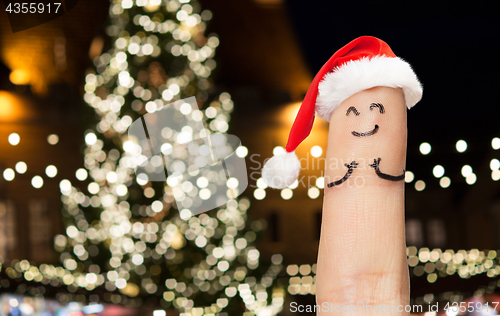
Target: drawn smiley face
{"points": [[355, 111]]}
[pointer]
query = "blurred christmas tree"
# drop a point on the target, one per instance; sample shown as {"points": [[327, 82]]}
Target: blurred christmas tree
{"points": [[124, 233]]}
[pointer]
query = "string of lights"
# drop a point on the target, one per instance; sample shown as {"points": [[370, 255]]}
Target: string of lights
{"points": [[438, 171], [433, 264]]}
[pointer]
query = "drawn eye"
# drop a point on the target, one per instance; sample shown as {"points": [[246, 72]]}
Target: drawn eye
{"points": [[379, 106], [352, 109]]}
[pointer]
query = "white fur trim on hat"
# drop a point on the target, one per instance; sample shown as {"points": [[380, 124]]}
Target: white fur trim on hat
{"points": [[365, 73], [282, 170]]}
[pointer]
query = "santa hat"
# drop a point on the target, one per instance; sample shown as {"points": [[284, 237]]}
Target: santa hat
{"points": [[364, 63]]}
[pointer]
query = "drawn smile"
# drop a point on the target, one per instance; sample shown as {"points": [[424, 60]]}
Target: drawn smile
{"points": [[370, 133]]}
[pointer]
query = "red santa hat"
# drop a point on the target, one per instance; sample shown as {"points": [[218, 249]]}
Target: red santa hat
{"points": [[364, 63]]}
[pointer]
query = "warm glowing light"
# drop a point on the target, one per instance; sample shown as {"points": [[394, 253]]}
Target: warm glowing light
{"points": [[14, 139], [425, 148], [13, 302], [20, 77], [150, 192], [278, 150], [210, 112], [292, 270], [438, 171], [7, 106], [290, 112], [96, 46], [53, 139], [320, 182], [205, 194], [294, 185], [466, 171], [121, 190], [111, 177], [242, 151], [259, 194], [37, 182], [316, 151], [9, 174], [65, 185], [494, 164], [495, 175], [495, 143], [93, 188], [409, 176], [90, 138], [232, 183], [185, 215], [81, 174], [444, 182], [471, 179], [21, 167], [51, 171], [286, 194], [313, 192], [157, 206], [143, 179], [452, 311], [186, 108], [461, 146], [202, 182], [431, 278], [419, 185], [261, 183]]}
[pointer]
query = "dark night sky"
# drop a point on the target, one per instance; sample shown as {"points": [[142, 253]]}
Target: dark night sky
{"points": [[453, 47]]}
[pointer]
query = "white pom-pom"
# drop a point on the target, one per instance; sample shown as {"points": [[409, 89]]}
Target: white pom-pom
{"points": [[281, 170]]}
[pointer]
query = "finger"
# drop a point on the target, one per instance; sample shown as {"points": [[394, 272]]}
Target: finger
{"points": [[362, 252]]}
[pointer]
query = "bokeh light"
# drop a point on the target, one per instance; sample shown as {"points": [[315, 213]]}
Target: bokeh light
{"points": [[9, 174], [409, 176], [37, 182], [420, 185], [466, 171], [286, 194], [444, 182], [14, 139], [21, 167], [438, 171], [461, 146], [51, 171], [316, 151], [425, 148], [495, 143], [53, 139]]}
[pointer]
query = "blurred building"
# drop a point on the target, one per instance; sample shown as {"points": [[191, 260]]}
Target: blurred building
{"points": [[29, 204], [41, 126]]}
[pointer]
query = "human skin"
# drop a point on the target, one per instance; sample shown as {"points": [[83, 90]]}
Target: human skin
{"points": [[362, 251]]}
